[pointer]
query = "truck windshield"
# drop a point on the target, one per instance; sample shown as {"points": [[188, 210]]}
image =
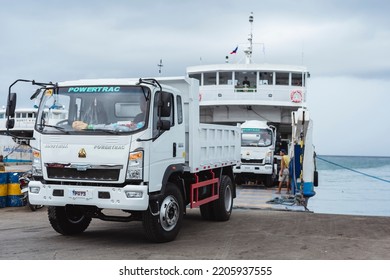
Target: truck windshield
{"points": [[256, 137], [93, 109]]}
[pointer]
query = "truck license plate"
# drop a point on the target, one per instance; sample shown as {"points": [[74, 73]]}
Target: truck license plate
{"points": [[77, 193]]}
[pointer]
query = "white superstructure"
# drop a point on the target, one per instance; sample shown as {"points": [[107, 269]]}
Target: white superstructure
{"points": [[24, 119], [237, 92]]}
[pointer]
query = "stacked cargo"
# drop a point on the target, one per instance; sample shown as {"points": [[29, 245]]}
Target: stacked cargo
{"points": [[10, 194]]}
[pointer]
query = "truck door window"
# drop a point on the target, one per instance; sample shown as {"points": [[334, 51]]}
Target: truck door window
{"points": [[179, 110]]}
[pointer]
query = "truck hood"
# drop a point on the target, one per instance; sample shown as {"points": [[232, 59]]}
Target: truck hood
{"points": [[94, 158], [253, 152]]}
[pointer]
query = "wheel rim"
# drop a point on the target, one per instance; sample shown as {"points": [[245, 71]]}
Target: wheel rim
{"points": [[74, 215], [169, 213], [228, 198]]}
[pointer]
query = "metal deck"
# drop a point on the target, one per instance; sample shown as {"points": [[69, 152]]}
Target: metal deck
{"points": [[260, 197]]}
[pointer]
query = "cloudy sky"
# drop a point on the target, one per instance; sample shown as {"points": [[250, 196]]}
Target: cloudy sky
{"points": [[344, 44]]}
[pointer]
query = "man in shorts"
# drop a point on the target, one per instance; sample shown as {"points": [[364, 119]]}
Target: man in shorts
{"points": [[284, 176]]}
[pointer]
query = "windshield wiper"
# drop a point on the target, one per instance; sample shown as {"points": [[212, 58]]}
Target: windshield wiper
{"points": [[54, 126], [102, 130]]}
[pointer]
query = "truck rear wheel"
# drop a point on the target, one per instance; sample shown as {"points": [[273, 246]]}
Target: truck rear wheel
{"points": [[165, 225], [222, 207], [68, 220]]}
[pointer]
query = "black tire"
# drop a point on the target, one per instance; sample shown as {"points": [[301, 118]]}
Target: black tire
{"points": [[222, 207], [68, 220], [165, 226]]}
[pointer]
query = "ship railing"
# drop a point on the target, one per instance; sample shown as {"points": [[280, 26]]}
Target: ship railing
{"points": [[277, 94]]}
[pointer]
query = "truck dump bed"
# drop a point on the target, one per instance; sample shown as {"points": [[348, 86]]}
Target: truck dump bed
{"points": [[207, 145], [214, 146]]}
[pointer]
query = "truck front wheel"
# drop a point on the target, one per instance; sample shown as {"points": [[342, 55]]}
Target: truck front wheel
{"points": [[68, 220], [164, 225]]}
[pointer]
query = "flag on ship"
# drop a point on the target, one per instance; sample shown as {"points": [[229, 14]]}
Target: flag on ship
{"points": [[234, 51]]}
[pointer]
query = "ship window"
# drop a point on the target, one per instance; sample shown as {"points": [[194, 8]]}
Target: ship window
{"points": [[296, 79], [266, 78], [210, 79], [225, 78], [282, 78], [197, 76], [2, 115], [244, 77]]}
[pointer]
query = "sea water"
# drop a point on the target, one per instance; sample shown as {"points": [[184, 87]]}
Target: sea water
{"points": [[352, 185]]}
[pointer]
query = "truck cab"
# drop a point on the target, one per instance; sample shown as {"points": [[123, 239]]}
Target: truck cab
{"points": [[257, 153]]}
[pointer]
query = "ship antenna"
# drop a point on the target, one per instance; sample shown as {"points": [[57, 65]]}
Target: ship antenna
{"points": [[248, 51]]}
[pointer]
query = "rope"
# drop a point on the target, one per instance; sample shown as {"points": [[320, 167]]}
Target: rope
{"points": [[353, 170]]}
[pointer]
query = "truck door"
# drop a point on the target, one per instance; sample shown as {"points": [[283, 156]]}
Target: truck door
{"points": [[168, 145]]}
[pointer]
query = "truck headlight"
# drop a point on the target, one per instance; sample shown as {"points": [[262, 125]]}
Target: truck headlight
{"points": [[37, 163], [268, 158], [134, 167]]}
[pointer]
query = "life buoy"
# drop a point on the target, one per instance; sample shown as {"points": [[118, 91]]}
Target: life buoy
{"points": [[296, 96]]}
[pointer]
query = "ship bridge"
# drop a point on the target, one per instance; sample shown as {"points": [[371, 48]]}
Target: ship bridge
{"points": [[234, 93], [251, 84]]}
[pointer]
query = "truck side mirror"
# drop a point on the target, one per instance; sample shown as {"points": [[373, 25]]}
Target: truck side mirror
{"points": [[163, 125], [11, 105], [10, 111], [10, 123], [165, 104]]}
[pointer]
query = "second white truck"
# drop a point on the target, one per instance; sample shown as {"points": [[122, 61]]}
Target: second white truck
{"points": [[134, 145], [258, 141]]}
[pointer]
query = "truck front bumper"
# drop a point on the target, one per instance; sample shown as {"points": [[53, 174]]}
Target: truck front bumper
{"points": [[254, 169], [130, 197]]}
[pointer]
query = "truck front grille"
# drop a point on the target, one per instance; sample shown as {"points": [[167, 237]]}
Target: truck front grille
{"points": [[252, 161], [89, 174]]}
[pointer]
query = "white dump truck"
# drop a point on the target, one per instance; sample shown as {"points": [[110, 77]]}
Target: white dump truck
{"points": [[132, 145], [258, 141]]}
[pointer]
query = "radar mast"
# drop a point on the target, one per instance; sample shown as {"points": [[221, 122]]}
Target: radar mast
{"points": [[248, 51]]}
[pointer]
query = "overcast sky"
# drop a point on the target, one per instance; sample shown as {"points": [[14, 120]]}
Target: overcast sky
{"points": [[344, 44]]}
